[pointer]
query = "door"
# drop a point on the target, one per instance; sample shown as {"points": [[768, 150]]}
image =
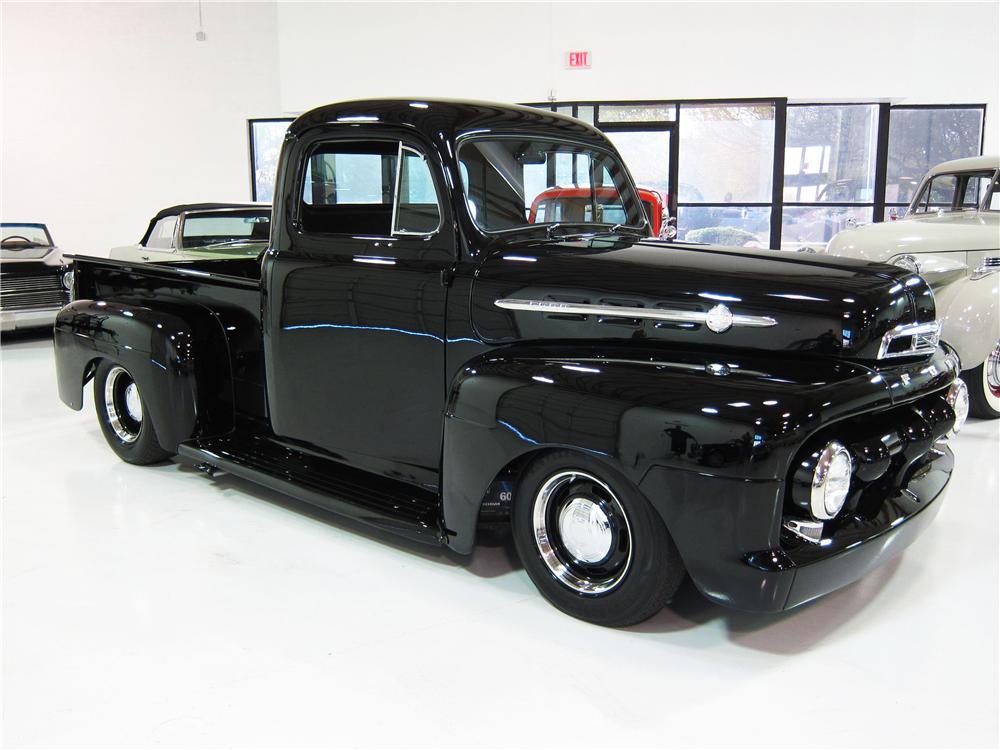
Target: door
{"points": [[354, 320]]}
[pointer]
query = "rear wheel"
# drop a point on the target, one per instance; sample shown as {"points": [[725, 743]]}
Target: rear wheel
{"points": [[591, 543], [123, 417], [984, 387]]}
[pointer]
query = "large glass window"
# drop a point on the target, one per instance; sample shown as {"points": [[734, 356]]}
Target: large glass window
{"points": [[919, 138], [266, 137], [647, 155], [831, 154], [725, 174], [513, 183]]}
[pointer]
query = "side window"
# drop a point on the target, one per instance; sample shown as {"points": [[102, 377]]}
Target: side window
{"points": [[351, 188], [348, 188], [418, 211], [975, 188], [162, 236], [937, 194]]}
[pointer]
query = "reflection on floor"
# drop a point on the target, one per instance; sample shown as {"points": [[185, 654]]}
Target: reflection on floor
{"points": [[158, 607]]}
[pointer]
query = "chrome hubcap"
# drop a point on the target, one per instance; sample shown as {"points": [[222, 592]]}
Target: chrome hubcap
{"points": [[123, 405], [132, 403], [992, 372], [582, 532], [585, 530]]}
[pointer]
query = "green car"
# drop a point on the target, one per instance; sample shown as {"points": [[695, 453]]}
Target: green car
{"points": [[202, 231]]}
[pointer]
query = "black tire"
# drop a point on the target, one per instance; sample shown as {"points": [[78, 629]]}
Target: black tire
{"points": [[642, 568], [982, 402], [133, 439]]}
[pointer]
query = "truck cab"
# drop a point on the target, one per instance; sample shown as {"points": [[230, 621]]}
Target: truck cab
{"points": [[416, 351]]}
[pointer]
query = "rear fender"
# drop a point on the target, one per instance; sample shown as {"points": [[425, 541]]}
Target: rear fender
{"points": [[179, 359]]}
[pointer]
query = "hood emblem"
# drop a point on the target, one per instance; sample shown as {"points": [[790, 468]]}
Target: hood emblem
{"points": [[719, 319]]}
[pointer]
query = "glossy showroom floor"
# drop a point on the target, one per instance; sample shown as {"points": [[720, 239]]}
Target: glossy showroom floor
{"points": [[157, 607]]}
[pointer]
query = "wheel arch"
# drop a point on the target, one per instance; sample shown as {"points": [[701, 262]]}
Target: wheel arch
{"points": [[178, 359]]}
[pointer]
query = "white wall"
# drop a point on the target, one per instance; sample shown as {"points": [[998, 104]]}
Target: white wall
{"points": [[515, 52], [113, 111]]}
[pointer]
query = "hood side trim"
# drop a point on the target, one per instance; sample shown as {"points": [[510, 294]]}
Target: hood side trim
{"points": [[641, 313]]}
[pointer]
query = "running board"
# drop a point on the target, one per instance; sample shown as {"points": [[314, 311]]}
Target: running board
{"points": [[372, 499]]}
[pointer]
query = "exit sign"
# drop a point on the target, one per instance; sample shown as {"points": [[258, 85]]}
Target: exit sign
{"points": [[578, 59]]}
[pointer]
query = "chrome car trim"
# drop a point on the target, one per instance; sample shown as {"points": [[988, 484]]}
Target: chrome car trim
{"points": [[549, 545], [810, 531], [641, 313], [924, 339], [988, 266], [122, 406]]}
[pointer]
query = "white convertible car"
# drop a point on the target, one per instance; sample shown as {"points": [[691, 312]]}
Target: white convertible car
{"points": [[951, 236]]}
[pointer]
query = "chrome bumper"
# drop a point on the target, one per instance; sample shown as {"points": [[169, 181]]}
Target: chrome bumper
{"points": [[11, 320]]}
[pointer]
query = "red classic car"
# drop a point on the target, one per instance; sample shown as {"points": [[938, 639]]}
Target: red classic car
{"points": [[573, 204]]}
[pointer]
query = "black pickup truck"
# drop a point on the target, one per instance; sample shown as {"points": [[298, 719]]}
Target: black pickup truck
{"points": [[417, 351]]}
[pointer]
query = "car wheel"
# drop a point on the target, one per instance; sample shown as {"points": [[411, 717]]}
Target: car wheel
{"points": [[123, 416], [984, 387], [591, 543]]}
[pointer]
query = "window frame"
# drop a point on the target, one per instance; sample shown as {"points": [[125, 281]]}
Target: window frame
{"points": [[300, 176]]}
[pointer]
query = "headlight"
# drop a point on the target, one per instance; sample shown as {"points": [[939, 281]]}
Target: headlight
{"points": [[831, 481], [67, 280], [908, 262], [958, 399]]}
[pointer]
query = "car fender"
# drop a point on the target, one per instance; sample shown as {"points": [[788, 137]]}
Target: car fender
{"points": [[178, 358], [741, 419]]}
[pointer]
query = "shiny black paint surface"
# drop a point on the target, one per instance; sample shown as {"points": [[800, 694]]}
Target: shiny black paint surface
{"points": [[388, 354]]}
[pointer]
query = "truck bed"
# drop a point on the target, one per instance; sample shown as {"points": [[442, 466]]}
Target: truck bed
{"points": [[229, 289]]}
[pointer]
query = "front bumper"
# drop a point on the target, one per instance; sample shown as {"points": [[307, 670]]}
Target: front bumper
{"points": [[730, 532], [794, 574], [11, 320]]}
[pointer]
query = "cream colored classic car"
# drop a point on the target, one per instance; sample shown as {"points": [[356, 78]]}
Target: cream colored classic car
{"points": [[950, 235]]}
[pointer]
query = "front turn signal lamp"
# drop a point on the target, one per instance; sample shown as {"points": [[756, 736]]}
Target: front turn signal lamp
{"points": [[958, 399]]}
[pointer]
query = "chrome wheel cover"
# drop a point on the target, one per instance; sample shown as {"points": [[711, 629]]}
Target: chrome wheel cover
{"points": [[991, 378], [123, 405], [581, 532]]}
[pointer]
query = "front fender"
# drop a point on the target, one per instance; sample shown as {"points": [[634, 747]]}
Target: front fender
{"points": [[971, 319], [168, 354], [732, 417]]}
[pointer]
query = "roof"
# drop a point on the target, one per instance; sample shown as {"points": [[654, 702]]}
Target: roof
{"points": [[188, 207], [989, 161], [450, 117]]}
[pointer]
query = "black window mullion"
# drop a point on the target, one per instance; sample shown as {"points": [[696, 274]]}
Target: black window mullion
{"points": [[881, 161], [778, 174]]}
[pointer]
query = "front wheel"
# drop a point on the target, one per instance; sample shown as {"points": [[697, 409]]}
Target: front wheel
{"points": [[591, 543], [123, 416], [984, 386]]}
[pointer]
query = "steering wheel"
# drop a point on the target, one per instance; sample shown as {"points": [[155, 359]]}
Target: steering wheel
{"points": [[14, 237]]}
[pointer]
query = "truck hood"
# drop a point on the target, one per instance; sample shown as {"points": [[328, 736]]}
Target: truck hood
{"points": [[781, 301], [955, 232]]}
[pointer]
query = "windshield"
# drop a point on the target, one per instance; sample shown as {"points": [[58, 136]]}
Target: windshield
{"points": [[215, 228], [954, 191], [510, 183], [25, 235]]}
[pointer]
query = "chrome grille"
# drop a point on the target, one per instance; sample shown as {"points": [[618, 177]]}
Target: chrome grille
{"points": [[910, 340], [35, 292]]}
